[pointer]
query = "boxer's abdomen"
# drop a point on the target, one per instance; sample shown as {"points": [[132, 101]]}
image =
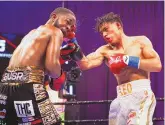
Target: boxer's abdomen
{"points": [[130, 74]]}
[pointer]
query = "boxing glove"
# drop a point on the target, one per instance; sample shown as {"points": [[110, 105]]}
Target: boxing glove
{"points": [[71, 51], [58, 82], [119, 61]]}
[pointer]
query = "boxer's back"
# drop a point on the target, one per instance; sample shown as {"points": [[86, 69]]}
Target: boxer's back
{"points": [[31, 51]]}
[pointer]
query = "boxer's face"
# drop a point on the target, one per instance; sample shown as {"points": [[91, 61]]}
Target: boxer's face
{"points": [[111, 32], [66, 23]]}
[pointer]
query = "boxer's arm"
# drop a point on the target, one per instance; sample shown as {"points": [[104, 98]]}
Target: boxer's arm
{"points": [[151, 61], [52, 63], [92, 60]]}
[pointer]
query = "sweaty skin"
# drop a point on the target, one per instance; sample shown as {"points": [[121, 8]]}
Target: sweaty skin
{"points": [[41, 48], [138, 46]]}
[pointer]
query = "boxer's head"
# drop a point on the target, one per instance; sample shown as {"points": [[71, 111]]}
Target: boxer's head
{"points": [[64, 19], [110, 27]]}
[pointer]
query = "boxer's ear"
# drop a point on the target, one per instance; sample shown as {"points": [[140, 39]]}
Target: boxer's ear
{"points": [[54, 16], [118, 25]]}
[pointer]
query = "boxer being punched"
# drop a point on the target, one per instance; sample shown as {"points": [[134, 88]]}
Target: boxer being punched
{"points": [[131, 59], [24, 100]]}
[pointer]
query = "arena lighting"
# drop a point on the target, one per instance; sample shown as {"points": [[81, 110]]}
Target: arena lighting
{"points": [[8, 43], [4, 54]]}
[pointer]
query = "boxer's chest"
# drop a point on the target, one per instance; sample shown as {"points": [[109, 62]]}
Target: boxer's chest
{"points": [[134, 49]]}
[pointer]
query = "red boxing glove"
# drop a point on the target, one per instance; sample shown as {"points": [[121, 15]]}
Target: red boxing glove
{"points": [[116, 63], [70, 35], [65, 52], [59, 82]]}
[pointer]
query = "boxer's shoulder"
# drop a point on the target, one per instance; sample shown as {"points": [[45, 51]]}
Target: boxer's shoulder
{"points": [[140, 40], [102, 49], [50, 30], [106, 50]]}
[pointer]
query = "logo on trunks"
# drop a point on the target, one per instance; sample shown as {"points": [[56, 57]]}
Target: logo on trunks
{"points": [[49, 119], [24, 108], [2, 113], [2, 122], [28, 119], [13, 76], [2, 102], [3, 99], [125, 89], [39, 91]]}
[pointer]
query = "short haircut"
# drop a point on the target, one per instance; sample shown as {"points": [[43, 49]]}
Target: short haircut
{"points": [[107, 18], [61, 10]]}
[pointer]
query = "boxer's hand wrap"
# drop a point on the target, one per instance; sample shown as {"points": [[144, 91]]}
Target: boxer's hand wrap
{"points": [[119, 61], [59, 82]]}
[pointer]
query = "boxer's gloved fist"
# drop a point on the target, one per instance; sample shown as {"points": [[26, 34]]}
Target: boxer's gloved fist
{"points": [[71, 33], [59, 82], [119, 61], [66, 50], [71, 51], [77, 54]]}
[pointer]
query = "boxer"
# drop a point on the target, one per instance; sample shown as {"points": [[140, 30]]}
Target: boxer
{"points": [[130, 59], [24, 100]]}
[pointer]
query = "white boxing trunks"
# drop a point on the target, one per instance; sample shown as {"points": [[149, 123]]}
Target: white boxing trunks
{"points": [[134, 105]]}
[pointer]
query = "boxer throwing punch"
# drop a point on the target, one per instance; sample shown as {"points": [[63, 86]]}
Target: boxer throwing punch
{"points": [[130, 59], [25, 100]]}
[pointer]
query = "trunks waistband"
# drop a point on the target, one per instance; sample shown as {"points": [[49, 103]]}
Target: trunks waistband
{"points": [[26, 74], [133, 86]]}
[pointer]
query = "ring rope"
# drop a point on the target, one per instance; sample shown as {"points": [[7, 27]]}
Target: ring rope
{"points": [[99, 120], [96, 102], [91, 102]]}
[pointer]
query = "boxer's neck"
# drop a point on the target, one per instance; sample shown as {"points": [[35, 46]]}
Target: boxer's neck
{"points": [[51, 22], [122, 43]]}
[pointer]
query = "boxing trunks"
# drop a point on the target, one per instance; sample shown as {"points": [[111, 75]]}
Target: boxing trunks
{"points": [[134, 105], [24, 99]]}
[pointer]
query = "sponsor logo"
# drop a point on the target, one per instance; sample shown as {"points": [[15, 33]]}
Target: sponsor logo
{"points": [[49, 119], [114, 59], [24, 108], [3, 97], [125, 89], [39, 91], [13, 76], [2, 113], [28, 119], [2, 102], [2, 122], [45, 107]]}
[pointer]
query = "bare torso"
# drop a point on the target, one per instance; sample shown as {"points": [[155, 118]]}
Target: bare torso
{"points": [[31, 50], [127, 74]]}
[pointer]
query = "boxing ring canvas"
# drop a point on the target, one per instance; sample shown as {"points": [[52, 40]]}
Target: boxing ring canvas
{"points": [[139, 18]]}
